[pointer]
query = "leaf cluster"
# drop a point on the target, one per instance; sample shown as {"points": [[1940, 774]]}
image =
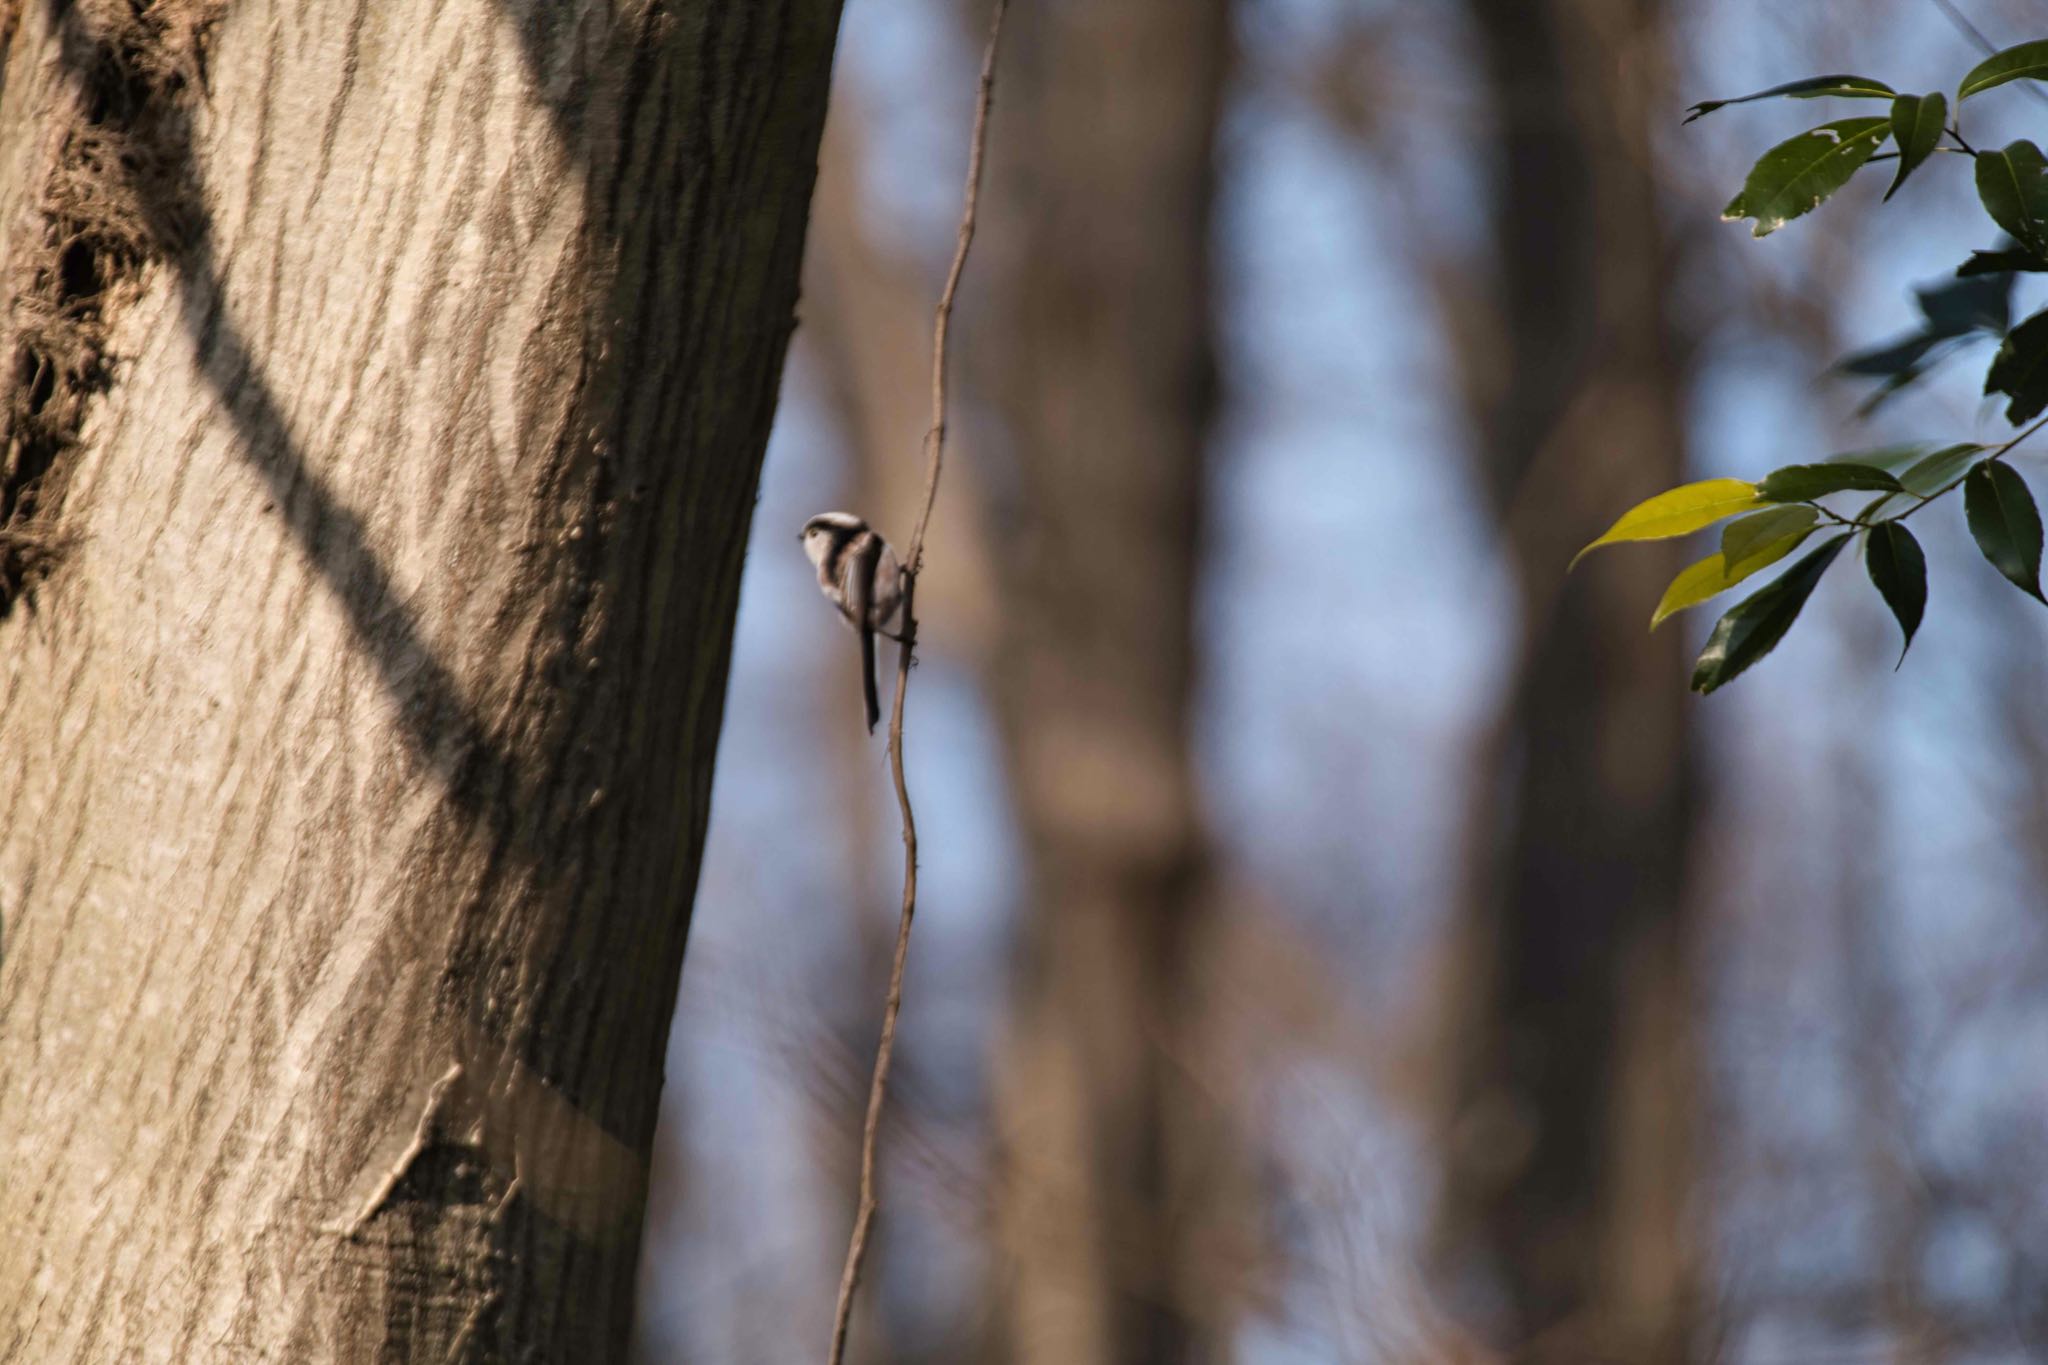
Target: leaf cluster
{"points": [[1769, 520], [1779, 513]]}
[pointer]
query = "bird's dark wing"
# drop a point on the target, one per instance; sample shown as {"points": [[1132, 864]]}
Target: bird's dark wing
{"points": [[865, 558]]}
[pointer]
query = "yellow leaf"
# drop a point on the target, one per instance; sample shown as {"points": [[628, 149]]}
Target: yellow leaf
{"points": [[1682, 510], [1711, 576]]}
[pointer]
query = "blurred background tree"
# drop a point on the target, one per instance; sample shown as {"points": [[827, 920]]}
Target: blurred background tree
{"points": [[1568, 1123], [1344, 939]]}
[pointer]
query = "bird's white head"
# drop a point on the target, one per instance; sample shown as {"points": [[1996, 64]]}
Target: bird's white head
{"points": [[822, 532]]}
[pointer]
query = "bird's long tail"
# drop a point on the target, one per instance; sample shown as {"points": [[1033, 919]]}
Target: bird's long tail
{"points": [[869, 691]]}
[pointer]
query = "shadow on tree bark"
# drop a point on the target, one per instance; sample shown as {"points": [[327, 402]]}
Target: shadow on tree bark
{"points": [[556, 896]]}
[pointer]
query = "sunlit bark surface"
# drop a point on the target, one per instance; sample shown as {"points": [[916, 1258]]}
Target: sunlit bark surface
{"points": [[354, 757]]}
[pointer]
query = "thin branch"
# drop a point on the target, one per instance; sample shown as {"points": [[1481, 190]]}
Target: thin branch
{"points": [[935, 438], [1976, 35], [2006, 449], [1997, 452], [1970, 30], [913, 563], [1961, 149]]}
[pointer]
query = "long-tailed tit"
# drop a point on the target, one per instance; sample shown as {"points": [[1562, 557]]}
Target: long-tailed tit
{"points": [[858, 571]]}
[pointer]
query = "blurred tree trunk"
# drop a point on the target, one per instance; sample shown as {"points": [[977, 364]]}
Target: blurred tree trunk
{"points": [[360, 740], [1097, 354], [1569, 1166]]}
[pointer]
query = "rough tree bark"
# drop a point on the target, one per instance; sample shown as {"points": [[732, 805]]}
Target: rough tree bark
{"points": [[1569, 1165], [386, 389], [1097, 354]]}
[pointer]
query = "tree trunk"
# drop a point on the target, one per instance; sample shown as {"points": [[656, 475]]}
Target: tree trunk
{"points": [[387, 386], [1098, 355], [1569, 1165]]}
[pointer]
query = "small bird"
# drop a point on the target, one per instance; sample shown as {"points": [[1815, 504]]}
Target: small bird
{"points": [[858, 571]]}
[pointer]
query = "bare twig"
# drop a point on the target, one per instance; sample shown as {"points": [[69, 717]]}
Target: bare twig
{"points": [[913, 563], [1970, 30], [1976, 35]]}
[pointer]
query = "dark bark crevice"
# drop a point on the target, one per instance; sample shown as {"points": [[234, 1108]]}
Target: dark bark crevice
{"points": [[113, 199]]}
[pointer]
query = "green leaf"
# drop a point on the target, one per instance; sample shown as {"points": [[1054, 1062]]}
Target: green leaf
{"points": [[1813, 87], [1712, 576], [1892, 359], [1956, 310], [2002, 262], [1760, 532], [1793, 177], [2020, 370], [2006, 524], [1917, 121], [1899, 570], [1678, 512], [2013, 185], [1886, 391], [1895, 361], [1753, 626], [1981, 303], [1939, 471], [1805, 482], [2027, 61]]}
